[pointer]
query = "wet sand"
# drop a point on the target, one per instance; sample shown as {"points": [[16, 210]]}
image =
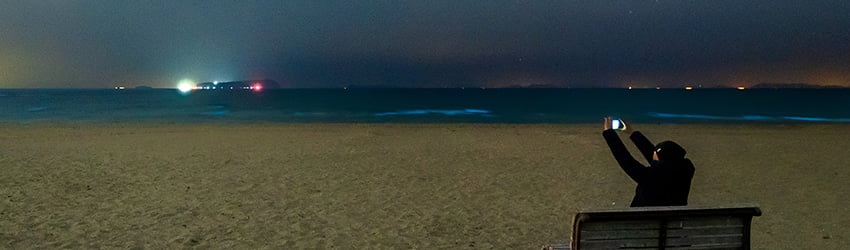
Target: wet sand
{"points": [[361, 186]]}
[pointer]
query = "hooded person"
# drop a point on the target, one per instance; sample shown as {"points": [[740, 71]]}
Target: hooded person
{"points": [[669, 151], [667, 179]]}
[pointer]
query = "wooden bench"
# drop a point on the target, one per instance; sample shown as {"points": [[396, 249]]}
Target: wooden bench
{"points": [[663, 228]]}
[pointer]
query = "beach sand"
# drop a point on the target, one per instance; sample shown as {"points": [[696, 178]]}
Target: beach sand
{"points": [[364, 186]]}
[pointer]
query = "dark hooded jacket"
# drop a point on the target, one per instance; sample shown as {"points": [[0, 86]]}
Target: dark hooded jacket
{"points": [[666, 182]]}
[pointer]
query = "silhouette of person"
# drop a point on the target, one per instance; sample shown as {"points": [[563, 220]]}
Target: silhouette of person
{"points": [[667, 179]]}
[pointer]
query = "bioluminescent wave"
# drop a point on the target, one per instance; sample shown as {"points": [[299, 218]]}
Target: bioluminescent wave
{"points": [[36, 109], [310, 114], [691, 116], [815, 119], [449, 112], [217, 112]]}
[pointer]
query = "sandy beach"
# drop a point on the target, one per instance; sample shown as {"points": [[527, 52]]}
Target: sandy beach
{"points": [[365, 186]]}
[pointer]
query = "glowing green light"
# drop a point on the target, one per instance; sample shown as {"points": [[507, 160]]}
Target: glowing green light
{"points": [[186, 85]]}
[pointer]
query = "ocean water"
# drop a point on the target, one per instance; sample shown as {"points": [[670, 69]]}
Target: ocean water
{"points": [[426, 106]]}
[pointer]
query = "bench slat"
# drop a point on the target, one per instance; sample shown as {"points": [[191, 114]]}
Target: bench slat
{"points": [[620, 225], [705, 221], [707, 247], [655, 224], [619, 244], [621, 234], [698, 240], [709, 230]]}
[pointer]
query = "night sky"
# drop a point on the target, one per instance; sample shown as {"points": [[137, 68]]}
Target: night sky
{"points": [[493, 43]]}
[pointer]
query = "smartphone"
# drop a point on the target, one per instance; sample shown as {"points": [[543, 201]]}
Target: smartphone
{"points": [[618, 124]]}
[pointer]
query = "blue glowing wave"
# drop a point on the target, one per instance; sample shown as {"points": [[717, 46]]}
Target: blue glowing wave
{"points": [[36, 109], [449, 112], [748, 117], [815, 119], [218, 110], [310, 114]]}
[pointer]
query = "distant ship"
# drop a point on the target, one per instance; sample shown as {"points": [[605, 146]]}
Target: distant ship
{"points": [[240, 85]]}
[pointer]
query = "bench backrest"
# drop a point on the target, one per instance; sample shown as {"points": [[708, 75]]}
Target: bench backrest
{"points": [[664, 228]]}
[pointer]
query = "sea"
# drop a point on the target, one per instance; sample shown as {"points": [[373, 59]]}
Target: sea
{"points": [[548, 106]]}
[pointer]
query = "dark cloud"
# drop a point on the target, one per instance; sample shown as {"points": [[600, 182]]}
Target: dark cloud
{"points": [[423, 43]]}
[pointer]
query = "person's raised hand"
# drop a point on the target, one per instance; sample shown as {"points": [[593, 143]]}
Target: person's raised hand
{"points": [[606, 123]]}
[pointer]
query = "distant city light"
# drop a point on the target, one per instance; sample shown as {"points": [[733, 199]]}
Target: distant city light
{"points": [[741, 88], [257, 87], [689, 88]]}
